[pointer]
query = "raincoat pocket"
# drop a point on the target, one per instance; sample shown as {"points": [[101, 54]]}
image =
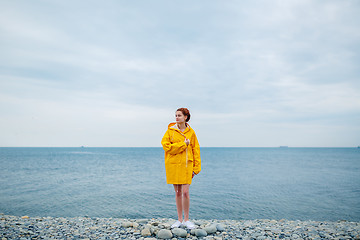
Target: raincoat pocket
{"points": [[173, 159]]}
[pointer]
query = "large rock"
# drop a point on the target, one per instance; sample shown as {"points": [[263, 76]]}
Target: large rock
{"points": [[145, 232], [135, 225], [179, 232], [199, 222], [211, 229], [164, 234], [200, 233], [147, 226], [165, 225], [142, 220], [127, 224], [150, 227], [220, 227]]}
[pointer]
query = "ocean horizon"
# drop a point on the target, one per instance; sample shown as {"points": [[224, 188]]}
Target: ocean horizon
{"points": [[295, 183]]}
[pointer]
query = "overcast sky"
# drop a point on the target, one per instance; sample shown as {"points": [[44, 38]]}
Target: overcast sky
{"points": [[112, 73]]}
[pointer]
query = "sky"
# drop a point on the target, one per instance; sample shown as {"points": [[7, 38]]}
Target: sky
{"points": [[113, 73]]}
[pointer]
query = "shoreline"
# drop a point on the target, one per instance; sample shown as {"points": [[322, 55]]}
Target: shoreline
{"points": [[25, 227]]}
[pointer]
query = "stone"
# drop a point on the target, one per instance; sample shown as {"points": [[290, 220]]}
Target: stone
{"points": [[220, 227], [200, 233], [145, 232], [148, 226], [210, 229], [25, 217], [295, 236], [127, 224], [135, 225], [199, 222], [164, 234], [179, 232], [166, 225], [142, 220]]}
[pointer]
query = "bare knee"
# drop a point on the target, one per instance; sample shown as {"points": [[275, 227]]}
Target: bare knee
{"points": [[186, 194], [178, 193]]}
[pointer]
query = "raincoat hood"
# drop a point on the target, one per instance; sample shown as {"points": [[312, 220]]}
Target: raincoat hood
{"points": [[175, 126]]}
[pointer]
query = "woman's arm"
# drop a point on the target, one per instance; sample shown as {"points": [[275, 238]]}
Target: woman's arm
{"points": [[172, 148], [196, 153]]}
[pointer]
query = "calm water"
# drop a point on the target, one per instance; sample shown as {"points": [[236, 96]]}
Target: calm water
{"points": [[235, 183]]}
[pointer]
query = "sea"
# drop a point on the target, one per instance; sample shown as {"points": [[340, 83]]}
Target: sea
{"points": [[321, 184]]}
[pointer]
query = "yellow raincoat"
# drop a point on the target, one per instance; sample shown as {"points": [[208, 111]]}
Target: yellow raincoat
{"points": [[181, 160]]}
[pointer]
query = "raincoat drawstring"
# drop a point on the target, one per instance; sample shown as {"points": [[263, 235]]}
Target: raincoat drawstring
{"points": [[185, 150]]}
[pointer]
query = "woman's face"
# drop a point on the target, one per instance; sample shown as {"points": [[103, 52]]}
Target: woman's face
{"points": [[180, 117]]}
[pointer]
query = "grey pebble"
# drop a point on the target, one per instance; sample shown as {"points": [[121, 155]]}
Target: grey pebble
{"points": [[200, 233], [164, 234], [210, 229], [142, 220], [127, 224], [220, 227], [179, 232], [146, 232]]}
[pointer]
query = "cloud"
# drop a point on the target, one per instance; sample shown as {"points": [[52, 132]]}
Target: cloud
{"points": [[290, 66]]}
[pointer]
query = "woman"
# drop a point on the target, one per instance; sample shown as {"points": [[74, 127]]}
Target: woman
{"points": [[182, 162]]}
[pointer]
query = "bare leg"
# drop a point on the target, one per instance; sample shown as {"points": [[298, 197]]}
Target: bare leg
{"points": [[186, 201], [178, 199]]}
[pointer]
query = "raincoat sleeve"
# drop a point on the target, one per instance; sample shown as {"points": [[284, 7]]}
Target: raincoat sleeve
{"points": [[172, 148], [196, 153]]}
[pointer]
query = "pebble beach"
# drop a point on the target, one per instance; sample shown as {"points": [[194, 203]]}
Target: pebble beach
{"points": [[27, 227]]}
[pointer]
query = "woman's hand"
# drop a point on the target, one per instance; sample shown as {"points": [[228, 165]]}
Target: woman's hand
{"points": [[187, 141]]}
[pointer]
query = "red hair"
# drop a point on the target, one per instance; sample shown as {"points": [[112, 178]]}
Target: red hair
{"points": [[186, 113]]}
